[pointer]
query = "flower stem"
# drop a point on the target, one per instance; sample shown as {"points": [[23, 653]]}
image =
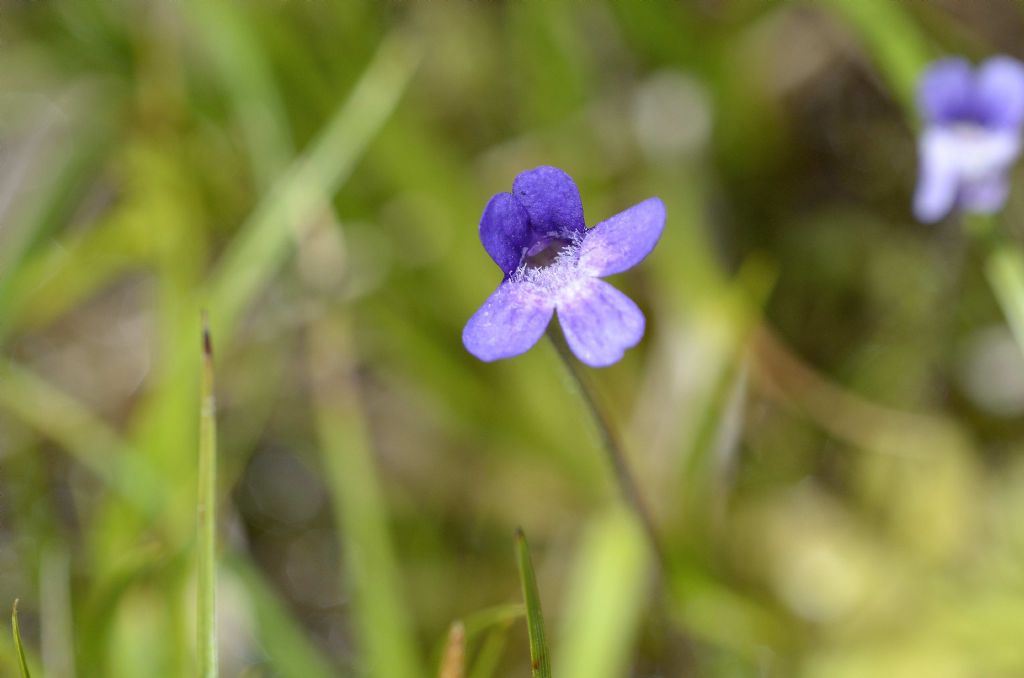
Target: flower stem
{"points": [[612, 445]]}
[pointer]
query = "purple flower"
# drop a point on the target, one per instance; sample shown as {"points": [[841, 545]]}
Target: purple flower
{"points": [[972, 135], [553, 262]]}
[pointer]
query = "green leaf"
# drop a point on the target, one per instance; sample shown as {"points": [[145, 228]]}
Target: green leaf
{"points": [[540, 660], [22, 663]]}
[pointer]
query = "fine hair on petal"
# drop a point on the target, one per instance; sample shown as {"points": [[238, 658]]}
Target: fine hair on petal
{"points": [[561, 275]]}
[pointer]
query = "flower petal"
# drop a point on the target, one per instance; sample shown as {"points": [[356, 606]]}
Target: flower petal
{"points": [[600, 323], [509, 323], [985, 196], [982, 154], [938, 175], [999, 92], [621, 242], [945, 91], [505, 231], [551, 198]]}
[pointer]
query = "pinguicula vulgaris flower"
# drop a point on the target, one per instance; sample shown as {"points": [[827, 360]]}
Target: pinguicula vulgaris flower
{"points": [[553, 263], [972, 135]]}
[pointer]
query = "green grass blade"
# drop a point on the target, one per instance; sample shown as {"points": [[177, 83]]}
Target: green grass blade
{"points": [[736, 309], [241, 62], [540, 660], [206, 510], [88, 439], [62, 181], [1004, 268], [379, 614], [605, 600], [16, 630], [497, 620], [56, 626], [892, 40], [488, 618], [290, 206], [489, 656], [290, 652]]}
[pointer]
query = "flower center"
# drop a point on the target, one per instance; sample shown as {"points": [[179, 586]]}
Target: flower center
{"points": [[550, 265], [544, 252], [969, 131]]}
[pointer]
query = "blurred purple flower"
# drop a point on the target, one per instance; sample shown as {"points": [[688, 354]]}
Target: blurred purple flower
{"points": [[552, 261], [972, 135]]}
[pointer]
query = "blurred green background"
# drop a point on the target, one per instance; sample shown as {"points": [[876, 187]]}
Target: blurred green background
{"points": [[825, 414]]}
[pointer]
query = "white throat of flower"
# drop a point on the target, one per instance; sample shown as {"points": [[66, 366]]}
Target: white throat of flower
{"points": [[559, 277], [978, 151]]}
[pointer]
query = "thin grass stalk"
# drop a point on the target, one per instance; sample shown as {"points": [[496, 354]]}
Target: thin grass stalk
{"points": [[206, 513], [540, 657], [16, 632]]}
